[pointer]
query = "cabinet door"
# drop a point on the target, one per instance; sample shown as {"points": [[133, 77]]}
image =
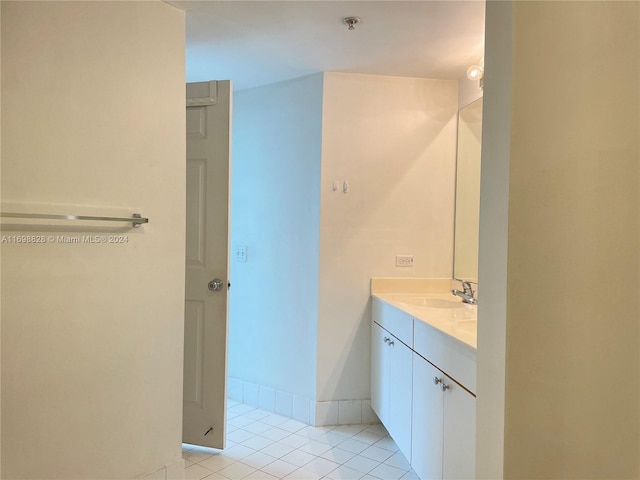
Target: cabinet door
{"points": [[400, 394], [427, 420], [459, 433], [379, 373]]}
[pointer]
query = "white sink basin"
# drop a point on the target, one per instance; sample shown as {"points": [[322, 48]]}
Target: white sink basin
{"points": [[429, 302]]}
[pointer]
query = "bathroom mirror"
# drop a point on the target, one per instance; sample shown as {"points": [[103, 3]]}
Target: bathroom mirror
{"points": [[467, 216]]}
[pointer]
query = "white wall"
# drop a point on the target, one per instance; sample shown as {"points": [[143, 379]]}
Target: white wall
{"points": [[571, 363], [275, 214], [493, 245], [304, 290], [93, 122], [393, 139], [0, 245]]}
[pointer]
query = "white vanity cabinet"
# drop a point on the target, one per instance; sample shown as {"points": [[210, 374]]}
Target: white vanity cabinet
{"points": [[459, 456], [423, 384], [391, 380], [443, 425], [379, 373], [444, 405], [427, 420]]}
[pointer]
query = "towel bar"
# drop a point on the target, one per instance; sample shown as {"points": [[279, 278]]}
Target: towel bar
{"points": [[136, 219]]}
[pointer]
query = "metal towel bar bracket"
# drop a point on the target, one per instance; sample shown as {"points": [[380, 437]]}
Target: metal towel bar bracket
{"points": [[136, 219]]}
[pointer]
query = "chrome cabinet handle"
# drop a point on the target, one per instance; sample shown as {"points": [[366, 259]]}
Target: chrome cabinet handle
{"points": [[444, 387], [215, 285]]}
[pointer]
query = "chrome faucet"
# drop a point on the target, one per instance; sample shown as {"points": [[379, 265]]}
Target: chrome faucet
{"points": [[467, 293]]}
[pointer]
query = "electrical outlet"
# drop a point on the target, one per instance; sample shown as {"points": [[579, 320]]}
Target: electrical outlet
{"points": [[404, 260], [241, 253]]}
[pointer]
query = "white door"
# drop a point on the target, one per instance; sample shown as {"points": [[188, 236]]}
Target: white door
{"points": [[207, 233]]}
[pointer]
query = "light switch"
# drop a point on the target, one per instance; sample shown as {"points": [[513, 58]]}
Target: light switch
{"points": [[240, 253]]}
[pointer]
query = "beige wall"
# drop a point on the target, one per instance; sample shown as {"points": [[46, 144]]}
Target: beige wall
{"points": [[93, 122], [393, 140], [572, 363]]}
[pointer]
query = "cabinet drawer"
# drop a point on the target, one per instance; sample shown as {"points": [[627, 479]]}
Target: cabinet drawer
{"points": [[393, 320], [449, 355]]}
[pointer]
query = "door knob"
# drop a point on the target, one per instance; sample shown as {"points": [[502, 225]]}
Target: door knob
{"points": [[215, 285]]}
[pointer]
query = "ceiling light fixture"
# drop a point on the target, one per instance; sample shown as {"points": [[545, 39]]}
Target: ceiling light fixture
{"points": [[476, 72], [351, 22]]}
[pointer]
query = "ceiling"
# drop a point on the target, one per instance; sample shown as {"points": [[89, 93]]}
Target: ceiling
{"points": [[256, 43]]}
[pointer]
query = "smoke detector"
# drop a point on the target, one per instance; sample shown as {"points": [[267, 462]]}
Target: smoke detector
{"points": [[351, 22]]}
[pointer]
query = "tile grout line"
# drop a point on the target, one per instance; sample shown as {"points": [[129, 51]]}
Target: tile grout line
{"points": [[308, 448]]}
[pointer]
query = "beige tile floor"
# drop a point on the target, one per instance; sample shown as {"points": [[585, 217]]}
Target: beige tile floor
{"points": [[262, 446]]}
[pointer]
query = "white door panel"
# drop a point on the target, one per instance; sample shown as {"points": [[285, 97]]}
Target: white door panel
{"points": [[400, 397], [379, 374], [459, 433], [207, 203], [427, 420]]}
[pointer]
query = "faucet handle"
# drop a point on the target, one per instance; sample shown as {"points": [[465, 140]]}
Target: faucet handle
{"points": [[468, 289]]}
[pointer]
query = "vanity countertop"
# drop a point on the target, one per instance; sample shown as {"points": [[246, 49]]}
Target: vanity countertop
{"points": [[441, 311]]}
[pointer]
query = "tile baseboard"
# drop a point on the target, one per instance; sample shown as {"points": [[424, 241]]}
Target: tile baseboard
{"points": [[175, 471], [345, 412], [269, 399], [303, 409]]}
